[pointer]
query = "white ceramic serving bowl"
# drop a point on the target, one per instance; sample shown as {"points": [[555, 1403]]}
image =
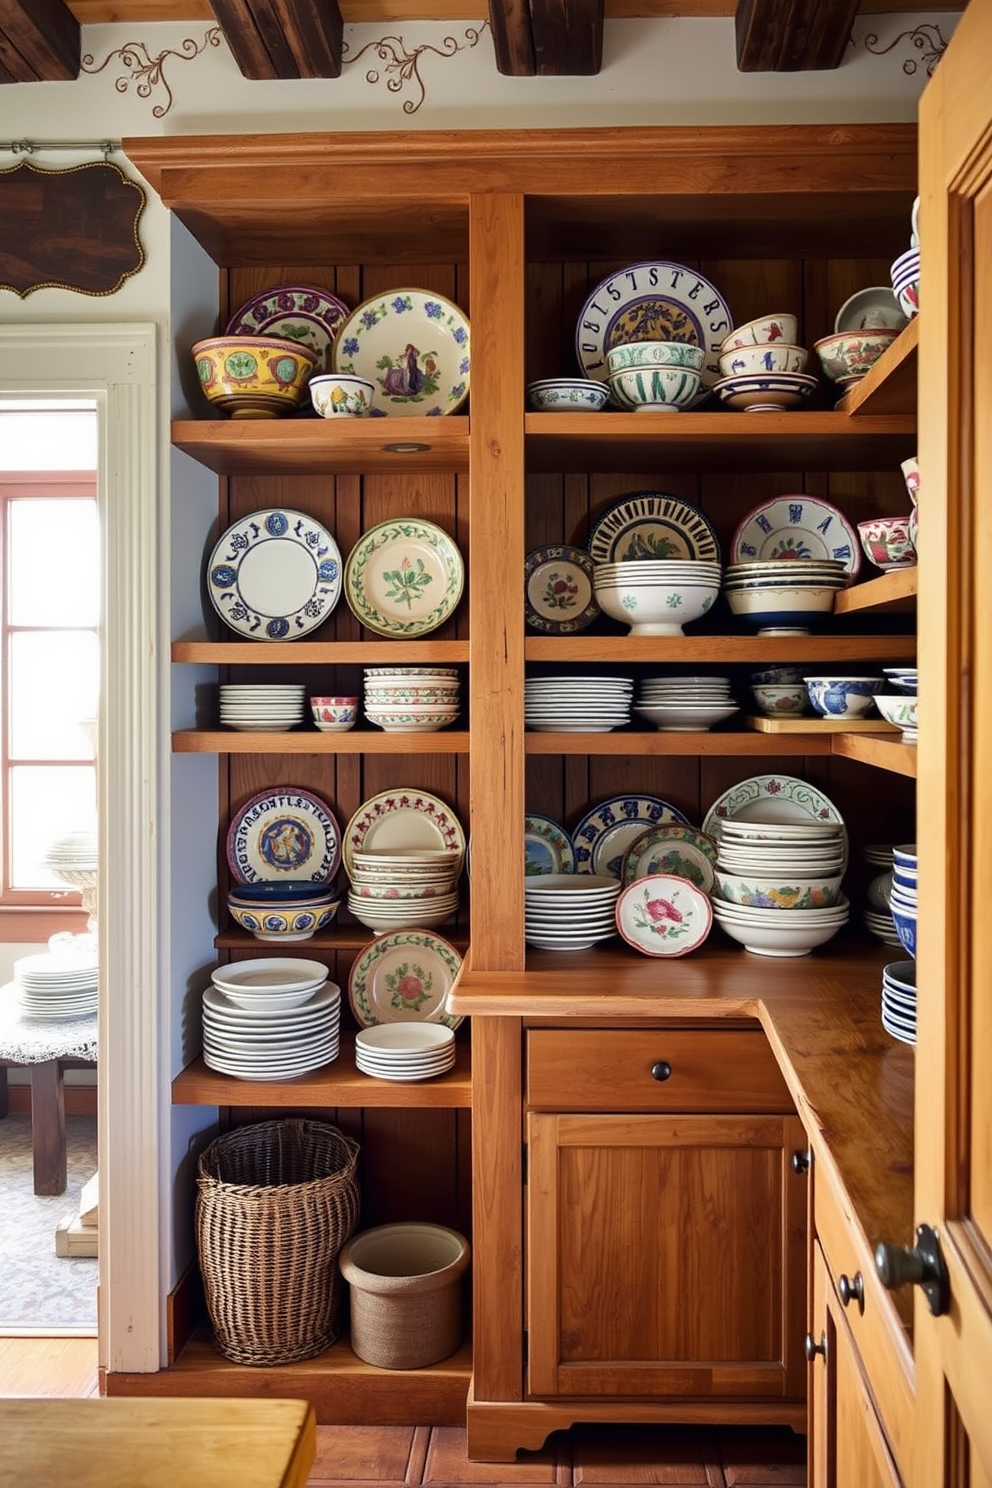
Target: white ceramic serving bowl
{"points": [[400, 917], [567, 395], [402, 1039], [778, 607], [782, 701], [339, 395], [632, 355], [764, 331], [682, 718], [846, 354], [654, 388], [416, 892], [887, 543], [898, 708], [843, 697], [783, 938], [777, 356], [782, 892], [656, 607]]}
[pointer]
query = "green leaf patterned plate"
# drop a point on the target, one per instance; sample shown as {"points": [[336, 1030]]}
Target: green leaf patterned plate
{"points": [[683, 852], [404, 577], [413, 347], [404, 977]]}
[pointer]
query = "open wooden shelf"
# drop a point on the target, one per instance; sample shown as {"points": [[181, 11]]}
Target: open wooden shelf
{"points": [[728, 650], [319, 653], [659, 743], [875, 749], [889, 389], [893, 593], [814, 727], [312, 741], [336, 938], [317, 446]]}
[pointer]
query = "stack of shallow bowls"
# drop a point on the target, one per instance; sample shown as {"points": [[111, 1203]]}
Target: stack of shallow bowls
{"points": [[877, 914], [762, 368], [402, 890], [570, 911], [291, 910], [655, 376], [405, 1052], [657, 596], [411, 700], [902, 679], [685, 704], [262, 709], [270, 1019], [904, 895], [784, 596], [905, 274], [899, 1000], [570, 704], [777, 888]]}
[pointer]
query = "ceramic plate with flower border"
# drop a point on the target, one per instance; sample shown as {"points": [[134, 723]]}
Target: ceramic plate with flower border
{"points": [[404, 577], [654, 301], [547, 847], [604, 834], [772, 798], [403, 820], [275, 575], [797, 527], [683, 852], [296, 312], [662, 915], [559, 598], [652, 524], [287, 833], [404, 977], [413, 347]]}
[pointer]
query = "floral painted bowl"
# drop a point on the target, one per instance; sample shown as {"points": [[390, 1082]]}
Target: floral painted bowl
{"points": [[567, 395], [887, 542], [848, 354], [288, 923], [782, 892], [790, 701], [253, 377], [336, 395], [843, 697], [764, 331], [334, 714], [899, 709], [631, 355]]}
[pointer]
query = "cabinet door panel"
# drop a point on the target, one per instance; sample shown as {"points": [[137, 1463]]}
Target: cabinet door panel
{"points": [[662, 1256]]}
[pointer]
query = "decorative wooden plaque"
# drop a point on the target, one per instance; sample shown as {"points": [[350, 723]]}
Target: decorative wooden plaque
{"points": [[69, 229]]}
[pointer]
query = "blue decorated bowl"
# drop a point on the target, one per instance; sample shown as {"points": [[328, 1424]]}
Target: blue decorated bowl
{"points": [[273, 891], [843, 697], [288, 923], [905, 924]]}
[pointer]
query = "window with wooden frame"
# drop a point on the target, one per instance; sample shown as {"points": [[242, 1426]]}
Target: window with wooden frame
{"points": [[50, 601]]}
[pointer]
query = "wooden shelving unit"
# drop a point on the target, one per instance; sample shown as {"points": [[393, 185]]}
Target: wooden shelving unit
{"points": [[891, 593], [875, 749], [316, 446], [319, 653], [312, 741], [674, 744], [719, 649]]}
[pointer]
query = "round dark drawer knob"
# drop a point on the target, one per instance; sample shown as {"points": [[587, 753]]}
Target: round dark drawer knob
{"points": [[662, 1070], [800, 1162], [812, 1348], [851, 1289]]}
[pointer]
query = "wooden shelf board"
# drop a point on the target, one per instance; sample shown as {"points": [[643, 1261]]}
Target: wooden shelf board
{"points": [[819, 727], [311, 446], [894, 592], [318, 653], [658, 743], [874, 749], [337, 1084], [312, 741], [627, 649], [890, 387], [337, 938]]}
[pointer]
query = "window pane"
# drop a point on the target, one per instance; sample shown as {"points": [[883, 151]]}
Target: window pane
{"points": [[53, 562], [46, 804], [54, 683]]}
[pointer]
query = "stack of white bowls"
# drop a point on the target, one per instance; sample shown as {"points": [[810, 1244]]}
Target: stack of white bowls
{"points": [[570, 911], [262, 709], [784, 596], [685, 704], [877, 914], [777, 888], [405, 1051], [271, 1019], [404, 889], [411, 700], [899, 1000], [571, 704], [657, 596]]}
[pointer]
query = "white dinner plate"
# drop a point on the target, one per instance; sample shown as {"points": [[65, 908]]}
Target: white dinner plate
{"points": [[274, 575]]}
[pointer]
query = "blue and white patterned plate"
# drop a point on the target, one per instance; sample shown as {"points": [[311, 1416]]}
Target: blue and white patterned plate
{"points": [[605, 833], [797, 527], [275, 575], [414, 349]]}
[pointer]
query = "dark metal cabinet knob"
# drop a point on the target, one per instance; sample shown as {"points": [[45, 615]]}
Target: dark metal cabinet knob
{"points": [[851, 1289], [801, 1162], [923, 1265], [662, 1070], [812, 1348]]}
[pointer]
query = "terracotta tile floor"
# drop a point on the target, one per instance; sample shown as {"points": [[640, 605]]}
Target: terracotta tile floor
{"points": [[585, 1457]]}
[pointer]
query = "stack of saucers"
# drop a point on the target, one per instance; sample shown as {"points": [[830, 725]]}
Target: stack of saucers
{"points": [[570, 704], [685, 704], [57, 984], [899, 1000], [778, 884], [570, 911], [405, 1051], [877, 914], [404, 889], [411, 700], [903, 895], [270, 1019], [784, 596], [262, 709]]}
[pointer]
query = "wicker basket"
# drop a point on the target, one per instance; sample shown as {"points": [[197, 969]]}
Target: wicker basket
{"points": [[276, 1202]]}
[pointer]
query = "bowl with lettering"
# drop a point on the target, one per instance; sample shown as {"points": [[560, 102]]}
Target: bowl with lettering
{"points": [[776, 356], [764, 331], [254, 377]]}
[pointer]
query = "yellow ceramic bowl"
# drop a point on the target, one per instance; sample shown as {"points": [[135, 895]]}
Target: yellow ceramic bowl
{"points": [[253, 377]]}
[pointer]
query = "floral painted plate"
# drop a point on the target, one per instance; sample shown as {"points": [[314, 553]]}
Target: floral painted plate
{"points": [[654, 301], [662, 915], [683, 852], [404, 577], [284, 833], [413, 347], [547, 847], [296, 312], [404, 977], [797, 527], [604, 834], [772, 798], [402, 820], [559, 598], [275, 575], [652, 524]]}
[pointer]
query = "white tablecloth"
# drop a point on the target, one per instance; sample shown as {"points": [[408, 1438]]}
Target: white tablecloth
{"points": [[34, 1040]]}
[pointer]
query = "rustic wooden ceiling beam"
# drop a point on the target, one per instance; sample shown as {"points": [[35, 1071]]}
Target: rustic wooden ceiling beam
{"points": [[513, 39], [282, 38], [568, 37], [792, 35], [39, 42]]}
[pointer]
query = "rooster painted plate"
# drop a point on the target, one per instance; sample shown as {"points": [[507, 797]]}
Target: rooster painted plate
{"points": [[413, 347]]}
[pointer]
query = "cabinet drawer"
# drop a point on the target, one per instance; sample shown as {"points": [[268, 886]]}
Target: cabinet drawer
{"points": [[711, 1069], [878, 1334]]}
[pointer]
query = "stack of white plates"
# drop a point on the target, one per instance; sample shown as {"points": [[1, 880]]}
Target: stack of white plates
{"points": [[57, 984], [570, 911], [75, 850], [404, 890], [778, 884], [877, 915], [899, 1000], [411, 700], [271, 1019], [684, 704], [405, 1051], [571, 704], [262, 709]]}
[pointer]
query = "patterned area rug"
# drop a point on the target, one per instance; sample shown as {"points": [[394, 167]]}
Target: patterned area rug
{"points": [[41, 1292]]}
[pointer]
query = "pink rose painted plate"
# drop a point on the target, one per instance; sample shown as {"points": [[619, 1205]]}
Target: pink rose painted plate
{"points": [[404, 977], [662, 915]]}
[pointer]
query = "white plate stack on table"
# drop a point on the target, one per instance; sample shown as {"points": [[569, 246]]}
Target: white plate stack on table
{"points": [[877, 914], [412, 700], [405, 1052], [262, 709], [570, 704], [570, 911], [271, 1019], [406, 888], [57, 985], [899, 1000], [685, 704]]}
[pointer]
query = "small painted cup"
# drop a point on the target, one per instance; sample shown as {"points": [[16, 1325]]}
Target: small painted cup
{"points": [[334, 714], [887, 542], [337, 395], [911, 475]]}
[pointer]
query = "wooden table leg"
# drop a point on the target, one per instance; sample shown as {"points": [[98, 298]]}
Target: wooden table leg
{"points": [[48, 1127]]}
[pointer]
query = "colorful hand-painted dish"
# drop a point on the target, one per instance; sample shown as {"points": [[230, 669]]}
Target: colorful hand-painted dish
{"points": [[772, 798], [664, 916], [297, 312], [402, 820], [683, 852], [274, 575], [547, 847], [413, 347], [558, 590], [652, 524], [404, 577], [284, 833], [604, 834], [404, 977], [797, 527]]}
